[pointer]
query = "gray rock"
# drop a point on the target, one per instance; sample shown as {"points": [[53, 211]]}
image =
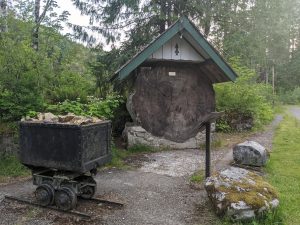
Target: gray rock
{"points": [[250, 153], [66, 118], [50, 117], [135, 135], [70, 118], [240, 194]]}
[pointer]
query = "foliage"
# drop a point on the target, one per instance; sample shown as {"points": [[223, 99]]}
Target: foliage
{"points": [[10, 166], [118, 157], [101, 70], [286, 151], [93, 107], [19, 80], [269, 218], [10, 128], [30, 79], [198, 177], [289, 76], [243, 100], [67, 86], [263, 33], [290, 97]]}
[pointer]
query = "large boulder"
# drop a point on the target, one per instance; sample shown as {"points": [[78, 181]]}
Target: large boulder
{"points": [[240, 194], [250, 153], [136, 135]]}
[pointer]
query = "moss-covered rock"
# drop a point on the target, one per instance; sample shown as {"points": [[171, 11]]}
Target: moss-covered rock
{"points": [[240, 194]]}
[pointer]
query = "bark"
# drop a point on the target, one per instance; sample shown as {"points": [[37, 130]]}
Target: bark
{"points": [[173, 107], [162, 22], [38, 18], [35, 32], [207, 25], [208, 18], [3, 16]]}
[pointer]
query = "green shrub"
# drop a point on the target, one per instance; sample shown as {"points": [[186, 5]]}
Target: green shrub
{"points": [[93, 107], [20, 81], [14, 105], [244, 100], [11, 166], [291, 97], [68, 85]]}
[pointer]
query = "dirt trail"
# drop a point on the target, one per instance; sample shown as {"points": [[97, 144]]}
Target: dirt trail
{"points": [[264, 138], [156, 193]]}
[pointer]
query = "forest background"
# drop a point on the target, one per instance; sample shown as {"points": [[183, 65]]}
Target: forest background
{"points": [[43, 70]]}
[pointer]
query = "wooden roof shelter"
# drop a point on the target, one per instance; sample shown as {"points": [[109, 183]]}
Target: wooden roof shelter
{"points": [[173, 95], [210, 61]]}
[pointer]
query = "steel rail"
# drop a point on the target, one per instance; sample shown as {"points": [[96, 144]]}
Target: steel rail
{"points": [[97, 200], [72, 212], [25, 201]]}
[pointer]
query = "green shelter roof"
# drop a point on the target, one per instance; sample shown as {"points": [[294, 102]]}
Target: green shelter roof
{"points": [[214, 66]]}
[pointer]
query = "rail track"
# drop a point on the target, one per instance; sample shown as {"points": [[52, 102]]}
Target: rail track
{"points": [[82, 215]]}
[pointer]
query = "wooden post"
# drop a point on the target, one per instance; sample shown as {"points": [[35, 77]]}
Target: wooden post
{"points": [[207, 150]]}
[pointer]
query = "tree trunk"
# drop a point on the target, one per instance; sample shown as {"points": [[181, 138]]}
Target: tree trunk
{"points": [[38, 18], [3, 16], [163, 15], [35, 32], [207, 26]]}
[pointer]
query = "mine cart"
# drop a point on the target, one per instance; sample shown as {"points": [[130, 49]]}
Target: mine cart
{"points": [[63, 159]]}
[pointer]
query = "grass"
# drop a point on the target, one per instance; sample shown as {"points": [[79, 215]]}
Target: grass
{"points": [[198, 177], [284, 169], [228, 140], [10, 167], [279, 109], [143, 149], [269, 219]]}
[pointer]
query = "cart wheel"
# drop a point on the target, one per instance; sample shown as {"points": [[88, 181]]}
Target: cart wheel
{"points": [[88, 191], [44, 194], [65, 198]]}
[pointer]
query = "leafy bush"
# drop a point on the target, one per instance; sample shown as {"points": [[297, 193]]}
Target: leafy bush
{"points": [[19, 81], [11, 166], [93, 107], [29, 79], [14, 105], [244, 101], [68, 85], [291, 97]]}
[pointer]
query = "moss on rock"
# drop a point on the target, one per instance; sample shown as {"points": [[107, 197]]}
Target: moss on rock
{"points": [[240, 193]]}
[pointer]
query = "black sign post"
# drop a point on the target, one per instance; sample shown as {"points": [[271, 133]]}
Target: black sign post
{"points": [[207, 150]]}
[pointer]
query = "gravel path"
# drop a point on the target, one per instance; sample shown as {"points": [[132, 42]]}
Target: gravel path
{"points": [[264, 138], [158, 192]]}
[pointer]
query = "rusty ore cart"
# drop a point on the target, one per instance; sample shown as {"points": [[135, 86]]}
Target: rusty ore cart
{"points": [[63, 159]]}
